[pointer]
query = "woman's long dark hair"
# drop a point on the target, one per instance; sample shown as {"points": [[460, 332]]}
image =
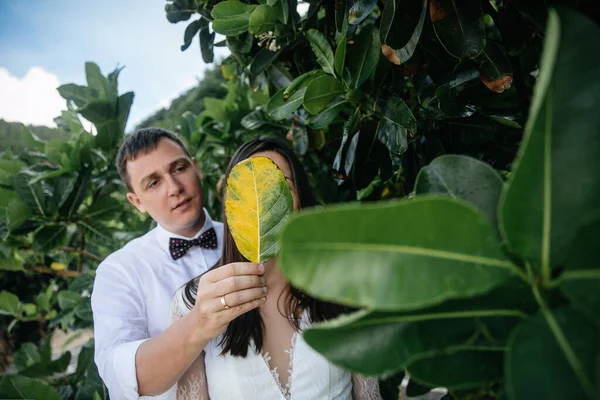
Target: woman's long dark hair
{"points": [[247, 329]]}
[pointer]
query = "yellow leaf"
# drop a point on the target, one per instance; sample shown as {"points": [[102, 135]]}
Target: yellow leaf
{"points": [[257, 202], [58, 266]]}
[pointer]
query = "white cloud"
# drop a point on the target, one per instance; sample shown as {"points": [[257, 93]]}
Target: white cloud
{"points": [[32, 99]]}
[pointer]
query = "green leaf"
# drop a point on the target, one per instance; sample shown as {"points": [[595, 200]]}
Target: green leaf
{"points": [[363, 55], [361, 255], [9, 304], [360, 10], [49, 237], [11, 264], [55, 148], [255, 119], [320, 92], [29, 309], [371, 157], [96, 80], [320, 46], [63, 187], [459, 26], [240, 44], [537, 367], [8, 170], [283, 7], [216, 109], [60, 365], [81, 283], [397, 26], [300, 82], [31, 141], [17, 212], [263, 59], [207, 43], [20, 387], [279, 76], [496, 72], [26, 356], [83, 310], [460, 369], [79, 95], [396, 122], [279, 108], [551, 194], [580, 281], [328, 115], [85, 359], [190, 32], [124, 103], [344, 158], [262, 20], [341, 22], [77, 195], [379, 343], [68, 300], [92, 386], [177, 12], [258, 200], [97, 232], [463, 177], [340, 58], [231, 17], [104, 208]]}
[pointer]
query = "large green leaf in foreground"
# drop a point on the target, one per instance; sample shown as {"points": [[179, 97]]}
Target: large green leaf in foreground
{"points": [[380, 343], [398, 255], [555, 188], [257, 202], [535, 361]]}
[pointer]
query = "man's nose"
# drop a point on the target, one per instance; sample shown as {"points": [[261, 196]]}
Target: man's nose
{"points": [[174, 186]]}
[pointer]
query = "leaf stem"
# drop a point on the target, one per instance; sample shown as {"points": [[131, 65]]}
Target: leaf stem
{"points": [[547, 190], [561, 339]]}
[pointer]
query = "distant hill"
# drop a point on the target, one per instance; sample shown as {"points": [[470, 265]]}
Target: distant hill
{"points": [[192, 100], [10, 135]]}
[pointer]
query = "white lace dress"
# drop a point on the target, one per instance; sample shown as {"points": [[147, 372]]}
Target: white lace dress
{"points": [[311, 376]]}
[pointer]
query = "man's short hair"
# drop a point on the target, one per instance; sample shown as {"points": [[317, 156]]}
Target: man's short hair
{"points": [[139, 143]]}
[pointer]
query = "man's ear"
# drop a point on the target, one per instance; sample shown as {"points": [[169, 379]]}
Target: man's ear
{"points": [[133, 199], [198, 168]]}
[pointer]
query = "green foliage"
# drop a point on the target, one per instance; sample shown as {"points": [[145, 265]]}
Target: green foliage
{"points": [[448, 298], [418, 78], [10, 136], [61, 213]]}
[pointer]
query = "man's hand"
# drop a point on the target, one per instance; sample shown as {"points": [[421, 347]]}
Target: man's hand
{"points": [[226, 293]]}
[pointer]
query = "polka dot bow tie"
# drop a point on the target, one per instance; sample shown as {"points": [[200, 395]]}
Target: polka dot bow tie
{"points": [[178, 247]]}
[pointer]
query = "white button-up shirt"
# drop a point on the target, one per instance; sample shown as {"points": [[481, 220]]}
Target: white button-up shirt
{"points": [[131, 301]]}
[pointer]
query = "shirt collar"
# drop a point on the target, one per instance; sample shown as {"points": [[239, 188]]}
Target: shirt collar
{"points": [[164, 235]]}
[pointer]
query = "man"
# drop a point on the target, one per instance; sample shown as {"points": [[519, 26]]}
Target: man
{"points": [[137, 352]]}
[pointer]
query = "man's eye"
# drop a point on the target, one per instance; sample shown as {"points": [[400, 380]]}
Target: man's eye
{"points": [[152, 184]]}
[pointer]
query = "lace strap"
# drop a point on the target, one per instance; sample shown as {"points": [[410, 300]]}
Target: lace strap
{"points": [[365, 388]]}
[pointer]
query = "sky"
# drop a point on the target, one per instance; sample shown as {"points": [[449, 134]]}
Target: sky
{"points": [[45, 43]]}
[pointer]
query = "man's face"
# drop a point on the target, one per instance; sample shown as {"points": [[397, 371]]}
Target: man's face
{"points": [[167, 185]]}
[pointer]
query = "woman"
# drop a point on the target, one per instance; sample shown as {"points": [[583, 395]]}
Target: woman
{"points": [[261, 354]]}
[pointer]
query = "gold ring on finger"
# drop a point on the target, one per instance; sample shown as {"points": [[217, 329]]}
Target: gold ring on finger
{"points": [[225, 306]]}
